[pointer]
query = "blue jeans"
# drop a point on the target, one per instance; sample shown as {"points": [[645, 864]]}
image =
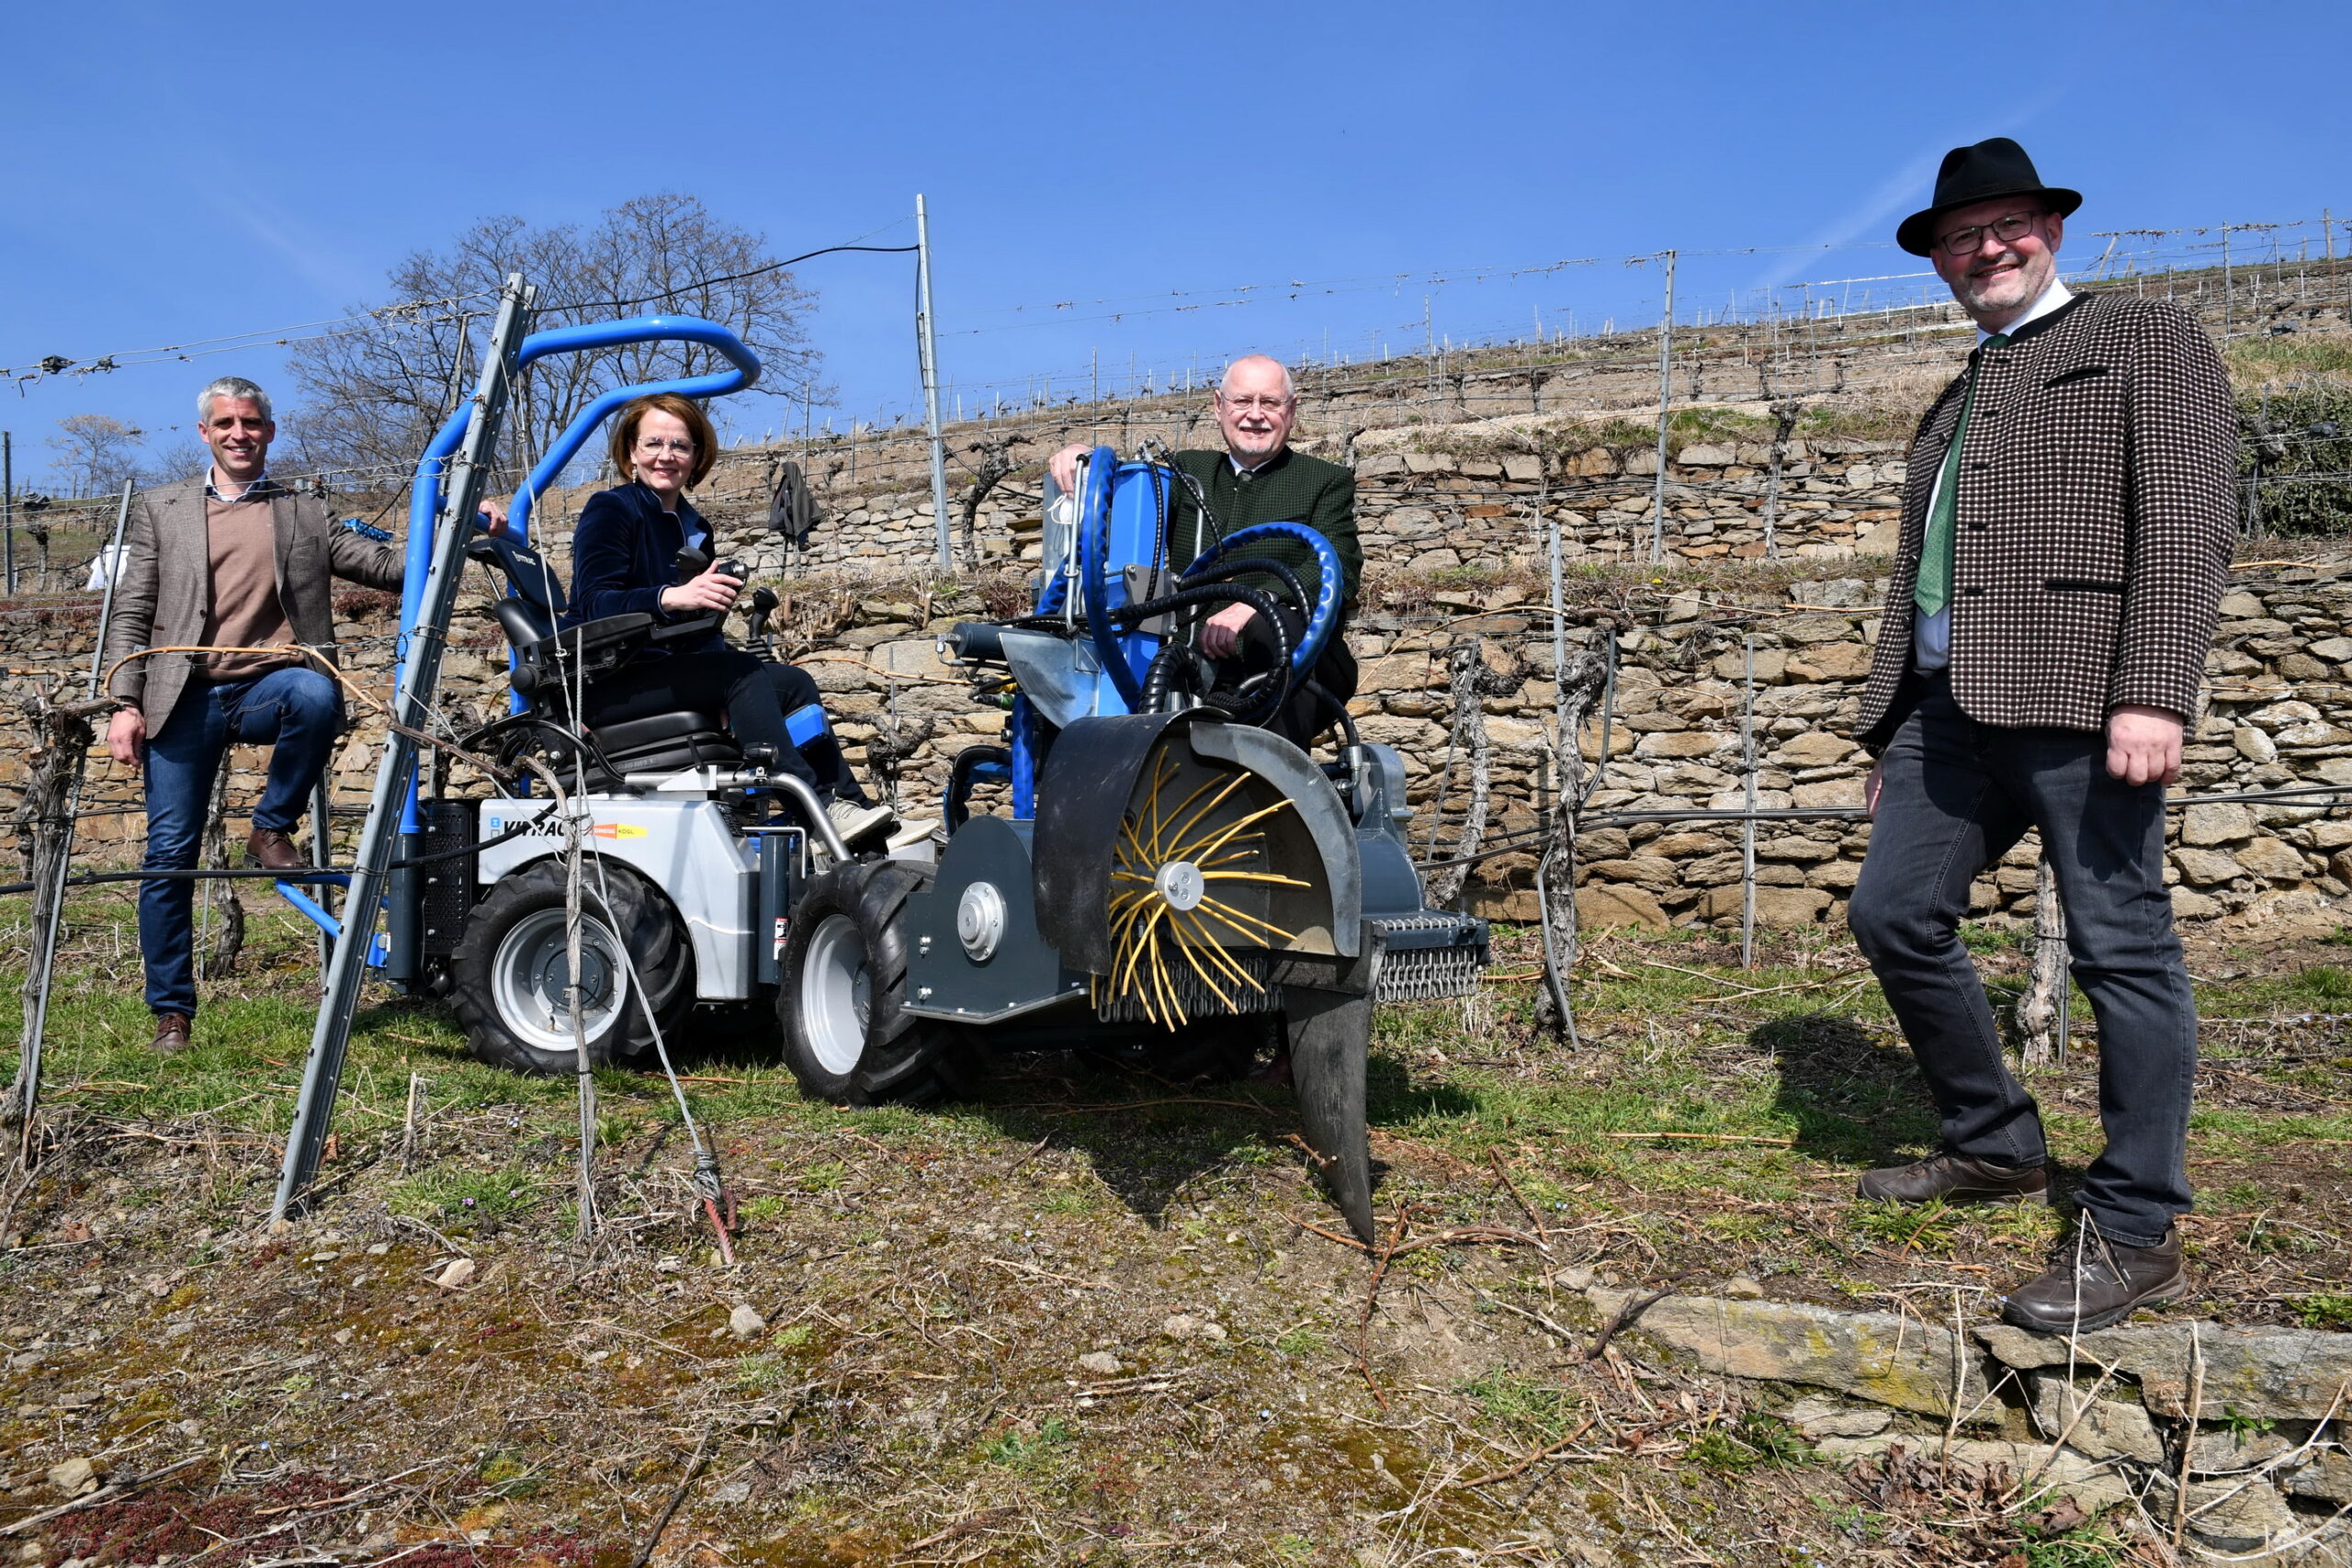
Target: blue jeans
{"points": [[300, 711], [1957, 796]]}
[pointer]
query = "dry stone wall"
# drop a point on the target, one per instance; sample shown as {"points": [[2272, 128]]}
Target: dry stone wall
{"points": [[2277, 716]]}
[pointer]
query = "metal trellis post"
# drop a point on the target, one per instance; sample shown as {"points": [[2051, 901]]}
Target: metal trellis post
{"points": [[9, 505], [929, 350], [420, 677], [1665, 408], [40, 973], [1748, 827]]}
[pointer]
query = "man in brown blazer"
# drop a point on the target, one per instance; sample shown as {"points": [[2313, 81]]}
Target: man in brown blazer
{"points": [[2066, 524], [228, 560]]}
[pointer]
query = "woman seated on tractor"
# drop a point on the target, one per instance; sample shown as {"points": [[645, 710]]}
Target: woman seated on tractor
{"points": [[624, 558]]}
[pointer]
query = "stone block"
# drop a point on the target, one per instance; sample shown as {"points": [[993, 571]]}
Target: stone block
{"points": [[1681, 846], [1792, 848], [1831, 661], [2239, 605], [1772, 666], [1813, 749], [1434, 561], [1644, 871], [1599, 906], [1817, 1417], [2318, 733], [2094, 1427], [2327, 1479], [1828, 792], [2188, 906], [1681, 743], [2273, 859], [1702, 454], [2227, 1515], [1518, 905], [1524, 467], [2216, 825], [1838, 875], [2204, 868], [1408, 735], [2253, 745], [2280, 1374], [1875, 1356], [839, 674], [1400, 672], [1774, 905], [2221, 1452], [914, 656]]}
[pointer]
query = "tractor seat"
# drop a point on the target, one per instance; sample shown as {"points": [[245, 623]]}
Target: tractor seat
{"points": [[530, 612], [663, 744]]}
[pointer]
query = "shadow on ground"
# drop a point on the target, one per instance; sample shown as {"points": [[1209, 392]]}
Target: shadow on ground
{"points": [[1855, 1097]]}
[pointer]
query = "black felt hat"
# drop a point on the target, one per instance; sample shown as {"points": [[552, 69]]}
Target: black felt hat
{"points": [[1993, 168]]}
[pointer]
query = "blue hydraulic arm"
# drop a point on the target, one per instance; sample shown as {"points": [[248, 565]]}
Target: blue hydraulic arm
{"points": [[462, 448]]}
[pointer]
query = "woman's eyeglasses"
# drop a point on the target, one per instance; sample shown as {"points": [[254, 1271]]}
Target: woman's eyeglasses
{"points": [[652, 447]]}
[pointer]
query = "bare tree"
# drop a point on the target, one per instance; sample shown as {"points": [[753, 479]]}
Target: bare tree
{"points": [[94, 454], [371, 398]]}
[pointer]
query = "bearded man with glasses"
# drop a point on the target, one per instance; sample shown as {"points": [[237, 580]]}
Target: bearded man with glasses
{"points": [[2066, 525], [1259, 479]]}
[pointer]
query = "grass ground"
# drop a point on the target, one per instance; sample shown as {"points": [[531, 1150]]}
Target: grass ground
{"points": [[1089, 1317]]}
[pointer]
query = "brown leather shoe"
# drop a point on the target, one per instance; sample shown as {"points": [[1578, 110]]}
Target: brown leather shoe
{"points": [[1954, 1178], [2092, 1282], [272, 849], [171, 1034]]}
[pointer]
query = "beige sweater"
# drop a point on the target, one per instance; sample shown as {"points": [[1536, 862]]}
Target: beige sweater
{"points": [[245, 612]]}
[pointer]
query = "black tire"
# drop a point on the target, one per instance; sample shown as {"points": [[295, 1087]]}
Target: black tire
{"points": [[847, 1035], [509, 971]]}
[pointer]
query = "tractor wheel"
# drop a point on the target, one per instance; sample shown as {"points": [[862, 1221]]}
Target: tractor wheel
{"points": [[512, 969], [847, 1035]]}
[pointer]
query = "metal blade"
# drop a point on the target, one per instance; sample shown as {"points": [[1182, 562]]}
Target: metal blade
{"points": [[1330, 1034]]}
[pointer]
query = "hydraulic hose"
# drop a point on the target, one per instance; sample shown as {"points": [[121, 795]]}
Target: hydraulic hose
{"points": [[1163, 665]]}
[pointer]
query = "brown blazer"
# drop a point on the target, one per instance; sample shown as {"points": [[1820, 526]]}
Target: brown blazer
{"points": [[165, 593], [2096, 512]]}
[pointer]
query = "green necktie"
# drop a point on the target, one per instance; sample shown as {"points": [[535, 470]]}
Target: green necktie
{"points": [[1934, 590]]}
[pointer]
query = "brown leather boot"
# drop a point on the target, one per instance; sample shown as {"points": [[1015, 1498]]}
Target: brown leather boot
{"points": [[272, 849], [2092, 1282], [1954, 1178], [171, 1034]]}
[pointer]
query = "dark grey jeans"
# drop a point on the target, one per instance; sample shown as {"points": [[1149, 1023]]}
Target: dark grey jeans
{"points": [[1957, 796]]}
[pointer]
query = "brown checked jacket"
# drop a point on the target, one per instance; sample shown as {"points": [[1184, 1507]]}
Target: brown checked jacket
{"points": [[2094, 517], [165, 590]]}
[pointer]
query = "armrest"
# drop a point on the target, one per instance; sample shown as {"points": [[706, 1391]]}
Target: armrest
{"points": [[598, 647], [678, 630]]}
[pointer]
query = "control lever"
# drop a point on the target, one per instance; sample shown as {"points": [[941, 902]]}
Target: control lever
{"points": [[764, 605], [688, 564]]}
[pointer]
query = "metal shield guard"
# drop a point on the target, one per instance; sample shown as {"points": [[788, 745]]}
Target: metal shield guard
{"points": [[1330, 1036]]}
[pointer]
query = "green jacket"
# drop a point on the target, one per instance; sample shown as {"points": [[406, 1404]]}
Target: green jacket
{"points": [[1290, 488]]}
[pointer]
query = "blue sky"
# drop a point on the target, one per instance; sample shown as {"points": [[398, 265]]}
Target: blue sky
{"points": [[1102, 177]]}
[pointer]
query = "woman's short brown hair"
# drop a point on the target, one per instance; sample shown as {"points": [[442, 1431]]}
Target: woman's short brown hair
{"points": [[686, 411]]}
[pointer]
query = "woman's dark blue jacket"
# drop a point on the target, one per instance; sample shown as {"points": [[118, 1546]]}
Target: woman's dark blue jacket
{"points": [[624, 553]]}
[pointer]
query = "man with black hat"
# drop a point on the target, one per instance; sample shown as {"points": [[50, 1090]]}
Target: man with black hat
{"points": [[2065, 536]]}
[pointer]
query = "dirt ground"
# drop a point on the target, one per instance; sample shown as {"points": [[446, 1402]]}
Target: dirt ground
{"points": [[1092, 1317]]}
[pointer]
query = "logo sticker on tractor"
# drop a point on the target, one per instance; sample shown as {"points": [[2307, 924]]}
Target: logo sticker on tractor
{"points": [[551, 826]]}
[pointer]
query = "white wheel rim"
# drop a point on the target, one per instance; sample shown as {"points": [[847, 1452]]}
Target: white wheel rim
{"points": [[532, 967], [836, 996]]}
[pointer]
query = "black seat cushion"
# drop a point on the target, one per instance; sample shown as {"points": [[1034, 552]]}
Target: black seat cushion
{"points": [[654, 729]]}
